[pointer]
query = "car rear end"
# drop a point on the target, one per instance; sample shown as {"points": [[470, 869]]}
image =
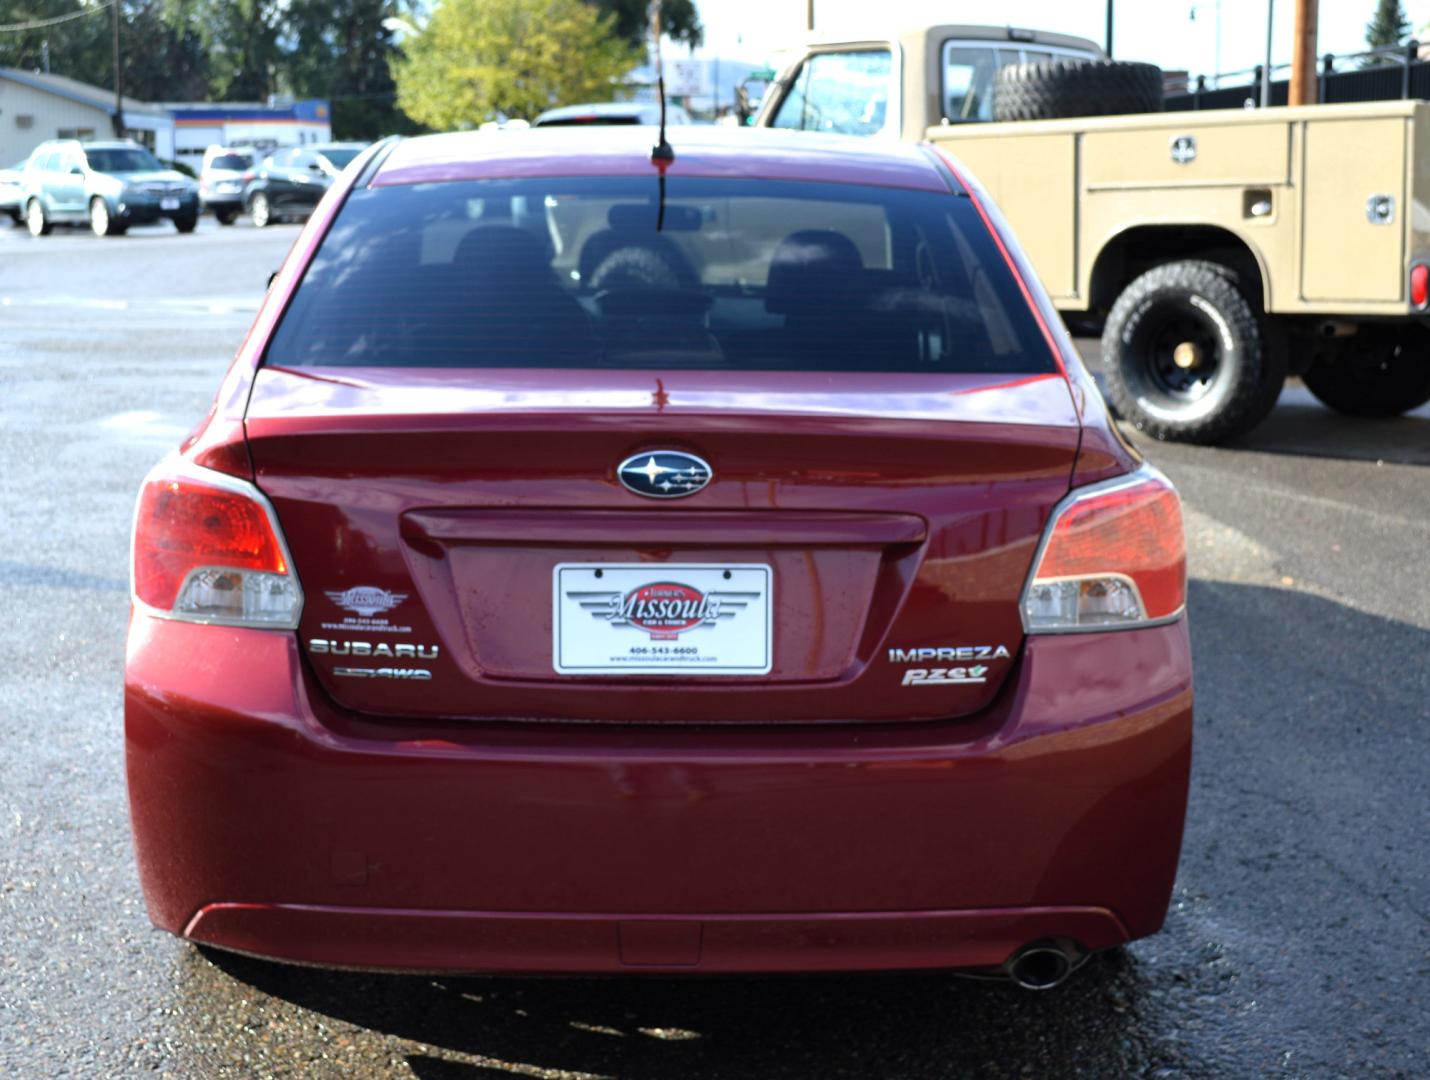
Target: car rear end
{"points": [[592, 566], [221, 182]]}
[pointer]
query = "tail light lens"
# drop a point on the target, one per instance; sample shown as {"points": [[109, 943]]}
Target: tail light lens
{"points": [[207, 549], [1114, 557]]}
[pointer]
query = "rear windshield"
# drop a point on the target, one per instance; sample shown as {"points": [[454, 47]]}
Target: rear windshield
{"points": [[597, 272], [230, 161], [339, 157]]}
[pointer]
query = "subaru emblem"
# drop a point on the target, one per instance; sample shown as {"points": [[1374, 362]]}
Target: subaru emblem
{"points": [[664, 474]]}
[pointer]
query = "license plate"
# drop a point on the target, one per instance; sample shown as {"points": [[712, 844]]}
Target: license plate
{"points": [[168, 204], [661, 619]]}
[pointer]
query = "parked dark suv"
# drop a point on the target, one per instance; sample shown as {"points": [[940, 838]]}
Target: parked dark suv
{"points": [[289, 183], [107, 185]]}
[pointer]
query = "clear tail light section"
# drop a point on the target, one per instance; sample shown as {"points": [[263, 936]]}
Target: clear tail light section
{"points": [[207, 549], [1114, 556]]}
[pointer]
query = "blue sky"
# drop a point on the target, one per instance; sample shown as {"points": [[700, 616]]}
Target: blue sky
{"points": [[1160, 31]]}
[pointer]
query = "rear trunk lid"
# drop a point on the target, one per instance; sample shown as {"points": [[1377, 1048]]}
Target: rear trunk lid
{"points": [[468, 550]]}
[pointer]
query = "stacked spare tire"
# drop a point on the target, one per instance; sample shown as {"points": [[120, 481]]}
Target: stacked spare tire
{"points": [[1057, 89]]}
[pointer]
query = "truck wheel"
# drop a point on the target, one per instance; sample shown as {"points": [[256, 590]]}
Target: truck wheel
{"points": [[1052, 89], [1378, 372], [1184, 356]]}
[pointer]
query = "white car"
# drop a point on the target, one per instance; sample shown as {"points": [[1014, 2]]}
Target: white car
{"points": [[221, 181], [611, 112], [12, 192]]}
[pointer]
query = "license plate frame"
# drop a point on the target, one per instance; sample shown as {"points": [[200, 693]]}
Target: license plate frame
{"points": [[168, 203], [674, 619]]}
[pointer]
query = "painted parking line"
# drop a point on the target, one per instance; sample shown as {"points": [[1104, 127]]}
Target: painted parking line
{"points": [[208, 305]]}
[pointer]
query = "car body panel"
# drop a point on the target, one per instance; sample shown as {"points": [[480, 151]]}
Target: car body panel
{"points": [[1066, 794], [785, 444], [271, 818], [625, 151]]}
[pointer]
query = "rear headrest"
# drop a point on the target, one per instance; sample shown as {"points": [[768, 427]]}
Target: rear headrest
{"points": [[813, 269], [504, 254]]}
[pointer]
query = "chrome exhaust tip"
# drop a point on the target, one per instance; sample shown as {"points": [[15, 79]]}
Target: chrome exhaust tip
{"points": [[1040, 966]]}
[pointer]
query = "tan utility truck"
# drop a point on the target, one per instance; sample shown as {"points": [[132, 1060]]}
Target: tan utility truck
{"points": [[1219, 251]]}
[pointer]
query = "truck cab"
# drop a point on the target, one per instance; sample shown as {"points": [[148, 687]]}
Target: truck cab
{"points": [[892, 87]]}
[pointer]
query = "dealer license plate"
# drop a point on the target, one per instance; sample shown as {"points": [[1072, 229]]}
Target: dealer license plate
{"points": [[661, 619], [168, 204]]}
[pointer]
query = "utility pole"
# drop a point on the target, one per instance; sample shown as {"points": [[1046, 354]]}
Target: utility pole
{"points": [[118, 77], [1266, 77], [1109, 29], [809, 14], [1303, 56]]}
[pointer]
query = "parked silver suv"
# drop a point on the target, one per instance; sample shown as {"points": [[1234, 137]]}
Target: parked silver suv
{"points": [[221, 181], [108, 185]]}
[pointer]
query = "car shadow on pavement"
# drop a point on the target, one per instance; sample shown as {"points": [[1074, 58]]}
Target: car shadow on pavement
{"points": [[1306, 428], [858, 1026]]}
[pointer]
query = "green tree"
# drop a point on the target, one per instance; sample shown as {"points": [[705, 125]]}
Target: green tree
{"points": [[342, 50], [678, 19], [79, 47], [242, 39], [1389, 27], [478, 59], [164, 55]]}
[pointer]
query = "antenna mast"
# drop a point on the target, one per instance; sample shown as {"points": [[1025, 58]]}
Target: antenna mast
{"points": [[662, 150]]}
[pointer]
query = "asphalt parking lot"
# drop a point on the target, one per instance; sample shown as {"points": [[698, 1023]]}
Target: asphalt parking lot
{"points": [[1298, 943]]}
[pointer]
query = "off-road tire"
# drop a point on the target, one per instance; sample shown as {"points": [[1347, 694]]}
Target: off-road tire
{"points": [[101, 221], [36, 220], [635, 267], [226, 217], [261, 210], [1203, 302], [186, 224], [1377, 372], [1052, 89]]}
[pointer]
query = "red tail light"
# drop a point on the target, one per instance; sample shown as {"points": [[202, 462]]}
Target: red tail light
{"points": [[1420, 285], [1114, 556], [207, 549]]}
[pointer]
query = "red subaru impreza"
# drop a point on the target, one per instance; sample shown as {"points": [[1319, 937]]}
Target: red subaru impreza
{"points": [[594, 563]]}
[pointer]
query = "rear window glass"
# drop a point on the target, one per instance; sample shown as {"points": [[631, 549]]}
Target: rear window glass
{"points": [[597, 273], [230, 161], [339, 157]]}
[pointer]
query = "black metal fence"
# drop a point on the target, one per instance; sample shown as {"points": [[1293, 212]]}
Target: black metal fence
{"points": [[1379, 75]]}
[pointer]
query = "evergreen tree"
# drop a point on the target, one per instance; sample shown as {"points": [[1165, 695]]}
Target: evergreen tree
{"points": [[631, 19], [79, 48], [1389, 27], [342, 50]]}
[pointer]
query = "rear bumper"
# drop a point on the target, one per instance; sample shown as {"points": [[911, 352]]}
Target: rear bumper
{"points": [[418, 940], [269, 822]]}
